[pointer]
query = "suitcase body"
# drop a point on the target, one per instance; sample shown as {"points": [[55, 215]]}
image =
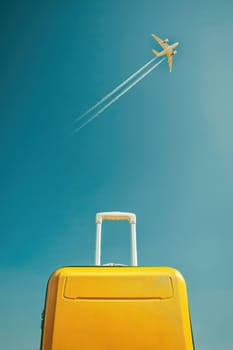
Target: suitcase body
{"points": [[116, 307]]}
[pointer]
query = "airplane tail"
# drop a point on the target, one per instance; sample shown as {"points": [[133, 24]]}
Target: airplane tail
{"points": [[156, 53]]}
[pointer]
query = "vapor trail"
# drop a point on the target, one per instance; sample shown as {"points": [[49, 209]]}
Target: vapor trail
{"points": [[114, 90], [119, 95]]}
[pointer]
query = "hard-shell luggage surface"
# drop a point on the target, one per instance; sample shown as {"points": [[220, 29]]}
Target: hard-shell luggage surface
{"points": [[116, 307]]}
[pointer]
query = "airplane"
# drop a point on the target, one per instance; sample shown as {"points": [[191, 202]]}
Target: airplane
{"points": [[167, 50]]}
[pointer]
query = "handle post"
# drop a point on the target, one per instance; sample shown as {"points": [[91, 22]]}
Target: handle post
{"points": [[134, 258], [98, 245]]}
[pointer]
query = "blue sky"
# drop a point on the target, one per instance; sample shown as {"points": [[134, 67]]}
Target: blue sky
{"points": [[163, 151]]}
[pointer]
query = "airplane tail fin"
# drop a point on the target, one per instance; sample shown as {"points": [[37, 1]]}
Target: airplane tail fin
{"points": [[156, 53]]}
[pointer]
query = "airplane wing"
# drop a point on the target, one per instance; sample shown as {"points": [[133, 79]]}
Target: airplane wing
{"points": [[161, 43], [170, 59]]}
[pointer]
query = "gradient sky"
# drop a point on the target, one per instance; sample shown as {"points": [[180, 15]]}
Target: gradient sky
{"points": [[163, 151]]}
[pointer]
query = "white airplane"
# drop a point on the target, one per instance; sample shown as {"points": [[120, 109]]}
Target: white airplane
{"points": [[167, 49]]}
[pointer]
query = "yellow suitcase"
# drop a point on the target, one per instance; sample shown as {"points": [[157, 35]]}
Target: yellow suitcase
{"points": [[116, 307]]}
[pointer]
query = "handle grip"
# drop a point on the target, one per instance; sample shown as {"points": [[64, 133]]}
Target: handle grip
{"points": [[116, 216]]}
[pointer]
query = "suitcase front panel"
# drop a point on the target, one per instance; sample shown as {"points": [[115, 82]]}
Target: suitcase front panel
{"points": [[148, 310]]}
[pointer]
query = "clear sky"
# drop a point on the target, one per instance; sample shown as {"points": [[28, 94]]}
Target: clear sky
{"points": [[163, 151]]}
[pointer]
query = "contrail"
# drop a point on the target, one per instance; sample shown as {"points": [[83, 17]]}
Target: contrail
{"points": [[114, 90], [119, 95]]}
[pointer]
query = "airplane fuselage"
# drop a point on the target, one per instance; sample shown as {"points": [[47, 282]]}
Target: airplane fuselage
{"points": [[168, 50]]}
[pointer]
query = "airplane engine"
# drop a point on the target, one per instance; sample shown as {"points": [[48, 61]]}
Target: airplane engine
{"points": [[166, 41], [175, 52]]}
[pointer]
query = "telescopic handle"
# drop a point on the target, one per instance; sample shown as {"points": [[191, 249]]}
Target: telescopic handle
{"points": [[116, 216]]}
